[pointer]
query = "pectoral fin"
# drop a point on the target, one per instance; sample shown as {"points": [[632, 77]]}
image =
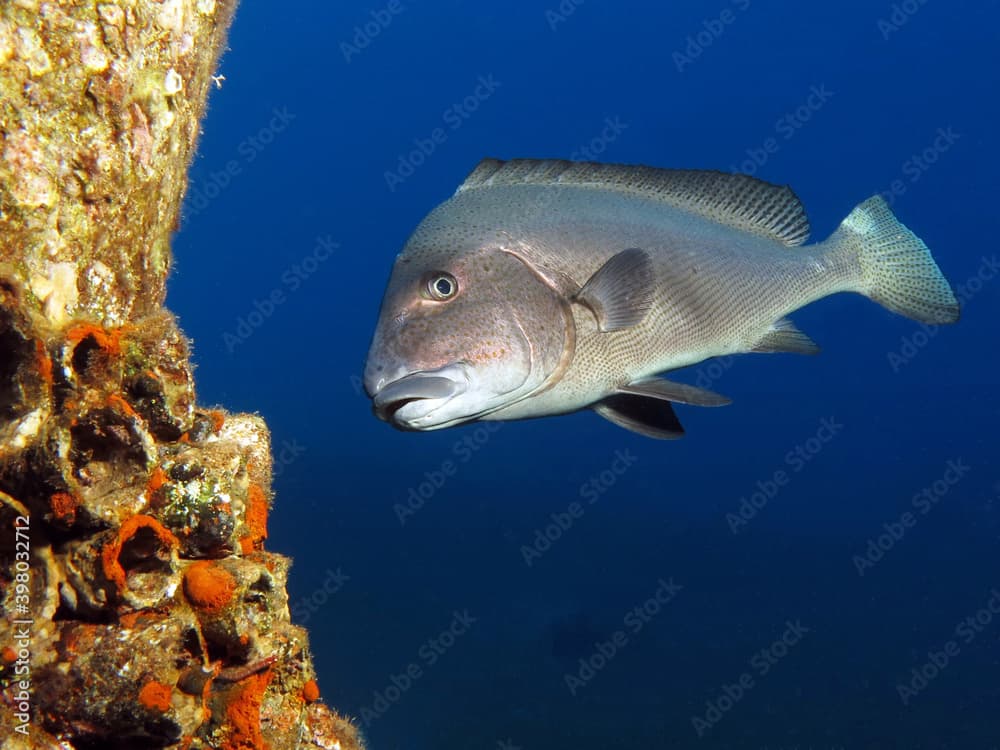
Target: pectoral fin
{"points": [[620, 293], [646, 416], [681, 393]]}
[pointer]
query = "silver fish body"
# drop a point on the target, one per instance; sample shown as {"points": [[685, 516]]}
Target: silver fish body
{"points": [[570, 285]]}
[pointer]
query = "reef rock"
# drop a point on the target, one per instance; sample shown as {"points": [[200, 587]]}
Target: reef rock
{"points": [[140, 607]]}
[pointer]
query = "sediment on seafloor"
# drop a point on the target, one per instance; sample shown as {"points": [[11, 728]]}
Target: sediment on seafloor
{"points": [[140, 606]]}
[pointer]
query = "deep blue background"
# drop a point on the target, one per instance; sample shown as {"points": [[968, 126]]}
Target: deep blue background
{"points": [[322, 173]]}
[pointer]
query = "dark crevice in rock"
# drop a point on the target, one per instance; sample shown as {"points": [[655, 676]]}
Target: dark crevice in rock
{"points": [[16, 354], [87, 358], [145, 394], [105, 448]]}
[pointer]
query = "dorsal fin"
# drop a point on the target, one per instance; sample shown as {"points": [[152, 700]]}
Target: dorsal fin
{"points": [[736, 200]]}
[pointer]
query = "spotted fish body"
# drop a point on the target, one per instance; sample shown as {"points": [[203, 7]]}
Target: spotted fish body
{"points": [[577, 283]]}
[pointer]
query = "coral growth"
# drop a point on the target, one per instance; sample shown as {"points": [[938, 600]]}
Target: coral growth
{"points": [[140, 607]]}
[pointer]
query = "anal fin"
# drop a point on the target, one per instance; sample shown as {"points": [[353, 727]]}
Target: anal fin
{"points": [[783, 336]]}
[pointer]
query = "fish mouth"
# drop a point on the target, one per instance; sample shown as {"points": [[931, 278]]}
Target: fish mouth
{"points": [[415, 396]]}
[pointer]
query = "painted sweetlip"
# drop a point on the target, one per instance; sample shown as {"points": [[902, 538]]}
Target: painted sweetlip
{"points": [[545, 287]]}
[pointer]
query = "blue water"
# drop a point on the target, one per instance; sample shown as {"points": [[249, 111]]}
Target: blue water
{"points": [[796, 624]]}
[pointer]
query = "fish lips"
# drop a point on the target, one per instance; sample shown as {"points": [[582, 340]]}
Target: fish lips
{"points": [[414, 397]]}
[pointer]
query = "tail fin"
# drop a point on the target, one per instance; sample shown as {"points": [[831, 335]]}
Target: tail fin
{"points": [[896, 268]]}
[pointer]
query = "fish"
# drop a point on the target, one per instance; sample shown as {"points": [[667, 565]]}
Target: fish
{"points": [[544, 287]]}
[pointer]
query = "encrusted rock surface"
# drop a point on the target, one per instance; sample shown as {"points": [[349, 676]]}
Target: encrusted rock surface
{"points": [[140, 608]]}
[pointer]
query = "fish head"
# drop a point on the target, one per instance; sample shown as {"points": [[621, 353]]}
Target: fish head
{"points": [[465, 328]]}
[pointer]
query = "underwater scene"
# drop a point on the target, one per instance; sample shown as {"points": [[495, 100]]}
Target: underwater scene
{"points": [[813, 565]]}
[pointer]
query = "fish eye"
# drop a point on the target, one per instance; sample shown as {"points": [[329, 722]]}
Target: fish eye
{"points": [[442, 286]]}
